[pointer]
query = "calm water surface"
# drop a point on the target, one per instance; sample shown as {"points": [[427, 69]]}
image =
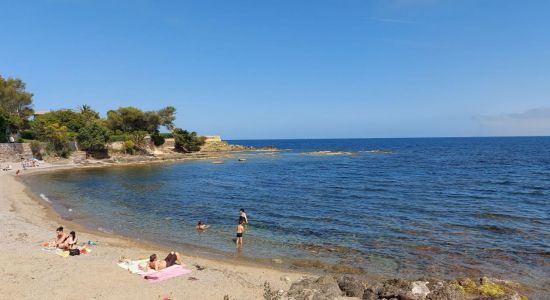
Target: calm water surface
{"points": [[447, 206]]}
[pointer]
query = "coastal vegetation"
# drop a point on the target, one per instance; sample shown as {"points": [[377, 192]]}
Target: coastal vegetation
{"points": [[59, 132]]}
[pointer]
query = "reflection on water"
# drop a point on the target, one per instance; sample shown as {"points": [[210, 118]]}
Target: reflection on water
{"points": [[443, 206]]}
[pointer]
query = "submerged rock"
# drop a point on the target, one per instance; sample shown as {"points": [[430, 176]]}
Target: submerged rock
{"points": [[322, 288]]}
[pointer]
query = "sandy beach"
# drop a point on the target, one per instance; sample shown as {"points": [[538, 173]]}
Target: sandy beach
{"points": [[30, 273]]}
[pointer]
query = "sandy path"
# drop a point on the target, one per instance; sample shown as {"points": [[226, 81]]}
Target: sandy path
{"points": [[29, 273]]}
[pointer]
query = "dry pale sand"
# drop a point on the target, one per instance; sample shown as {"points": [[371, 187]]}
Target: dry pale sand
{"points": [[29, 273]]}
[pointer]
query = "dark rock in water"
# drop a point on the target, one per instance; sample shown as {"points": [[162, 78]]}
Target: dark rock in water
{"points": [[352, 287], [322, 288]]}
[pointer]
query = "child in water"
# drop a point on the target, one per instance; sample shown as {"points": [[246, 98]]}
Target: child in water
{"points": [[240, 231]]}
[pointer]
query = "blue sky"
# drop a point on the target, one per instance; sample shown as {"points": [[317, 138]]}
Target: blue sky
{"points": [[292, 69]]}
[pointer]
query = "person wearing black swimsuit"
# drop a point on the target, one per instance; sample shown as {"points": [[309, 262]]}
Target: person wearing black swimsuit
{"points": [[240, 231], [242, 217]]}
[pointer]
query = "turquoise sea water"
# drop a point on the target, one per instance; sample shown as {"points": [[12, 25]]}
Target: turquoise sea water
{"points": [[443, 207]]}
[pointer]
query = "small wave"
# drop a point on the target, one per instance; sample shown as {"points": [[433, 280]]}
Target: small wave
{"points": [[43, 197], [104, 230], [378, 151], [328, 153], [500, 229], [489, 215]]}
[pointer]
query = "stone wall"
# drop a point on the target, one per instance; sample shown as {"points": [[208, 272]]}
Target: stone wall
{"points": [[14, 151], [212, 138]]}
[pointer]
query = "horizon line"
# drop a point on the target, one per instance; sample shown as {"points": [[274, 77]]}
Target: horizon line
{"points": [[369, 138]]}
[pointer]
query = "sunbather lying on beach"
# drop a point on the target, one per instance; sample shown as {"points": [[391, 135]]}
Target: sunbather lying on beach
{"points": [[201, 226], [169, 261]]}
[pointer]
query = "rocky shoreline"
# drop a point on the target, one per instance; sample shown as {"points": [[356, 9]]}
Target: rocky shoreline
{"points": [[330, 287]]}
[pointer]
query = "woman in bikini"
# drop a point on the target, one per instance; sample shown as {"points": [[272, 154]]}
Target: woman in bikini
{"points": [[242, 217], [169, 261], [70, 241]]}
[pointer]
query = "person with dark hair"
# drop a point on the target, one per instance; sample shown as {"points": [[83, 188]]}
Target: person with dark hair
{"points": [[70, 242], [240, 231], [242, 217], [201, 225], [60, 238], [169, 261]]}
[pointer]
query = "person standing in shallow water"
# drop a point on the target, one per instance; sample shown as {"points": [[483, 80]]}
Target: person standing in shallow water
{"points": [[240, 231], [242, 217]]}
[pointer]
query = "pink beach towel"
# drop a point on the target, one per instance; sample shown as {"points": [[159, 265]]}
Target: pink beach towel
{"points": [[170, 272]]}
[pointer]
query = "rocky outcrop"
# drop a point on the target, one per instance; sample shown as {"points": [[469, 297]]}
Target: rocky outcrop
{"points": [[322, 288], [217, 146], [327, 287], [491, 288], [352, 287]]}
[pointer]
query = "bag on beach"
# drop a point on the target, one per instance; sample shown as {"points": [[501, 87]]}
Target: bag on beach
{"points": [[74, 252]]}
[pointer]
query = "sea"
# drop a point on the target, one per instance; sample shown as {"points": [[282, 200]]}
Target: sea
{"points": [[410, 207]]}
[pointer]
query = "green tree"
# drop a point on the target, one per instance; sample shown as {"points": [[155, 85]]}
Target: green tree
{"points": [[88, 114], [167, 117], [185, 141], [129, 119], [16, 102], [4, 125], [93, 137], [126, 119], [57, 137], [65, 117]]}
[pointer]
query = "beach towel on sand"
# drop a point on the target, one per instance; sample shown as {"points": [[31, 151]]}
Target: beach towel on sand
{"points": [[133, 265], [170, 272], [62, 253]]}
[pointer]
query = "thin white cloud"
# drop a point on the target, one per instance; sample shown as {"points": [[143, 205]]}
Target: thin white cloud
{"points": [[535, 121]]}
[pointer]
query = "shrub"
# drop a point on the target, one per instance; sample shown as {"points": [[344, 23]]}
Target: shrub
{"points": [[36, 148], [57, 138], [186, 141], [121, 137], [129, 147], [93, 137], [26, 134], [157, 139]]}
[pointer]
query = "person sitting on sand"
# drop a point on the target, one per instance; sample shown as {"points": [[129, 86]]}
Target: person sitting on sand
{"points": [[70, 242], [60, 238], [240, 231], [169, 261], [242, 217], [201, 225]]}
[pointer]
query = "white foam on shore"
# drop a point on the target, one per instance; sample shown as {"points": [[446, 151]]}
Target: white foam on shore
{"points": [[45, 198], [104, 230]]}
